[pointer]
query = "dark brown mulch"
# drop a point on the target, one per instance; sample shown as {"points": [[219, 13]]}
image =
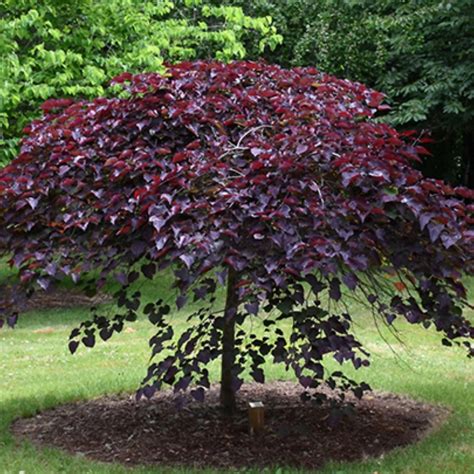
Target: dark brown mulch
{"points": [[296, 434], [57, 298], [65, 298]]}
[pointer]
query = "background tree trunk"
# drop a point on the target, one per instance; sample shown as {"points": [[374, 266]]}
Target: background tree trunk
{"points": [[227, 395], [468, 159]]}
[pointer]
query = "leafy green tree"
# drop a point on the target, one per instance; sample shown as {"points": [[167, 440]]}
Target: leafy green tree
{"points": [[429, 77], [420, 53], [70, 49]]}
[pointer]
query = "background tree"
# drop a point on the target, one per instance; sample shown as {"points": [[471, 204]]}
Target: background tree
{"points": [[70, 49], [276, 183], [420, 53]]}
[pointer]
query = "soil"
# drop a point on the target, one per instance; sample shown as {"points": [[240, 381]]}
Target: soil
{"points": [[65, 298], [297, 434], [57, 298]]}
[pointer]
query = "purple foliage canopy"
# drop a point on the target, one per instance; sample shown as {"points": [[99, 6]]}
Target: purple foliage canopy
{"points": [[281, 175]]}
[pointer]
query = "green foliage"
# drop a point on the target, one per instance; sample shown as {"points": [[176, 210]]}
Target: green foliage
{"points": [[339, 36], [429, 68], [420, 53], [55, 48]]}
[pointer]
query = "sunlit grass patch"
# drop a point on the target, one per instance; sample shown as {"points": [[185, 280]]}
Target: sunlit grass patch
{"points": [[37, 372]]}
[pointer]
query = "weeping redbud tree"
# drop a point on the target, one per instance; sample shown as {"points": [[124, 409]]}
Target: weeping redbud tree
{"points": [[277, 184]]}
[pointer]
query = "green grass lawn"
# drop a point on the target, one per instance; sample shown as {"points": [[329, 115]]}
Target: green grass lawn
{"points": [[37, 372]]}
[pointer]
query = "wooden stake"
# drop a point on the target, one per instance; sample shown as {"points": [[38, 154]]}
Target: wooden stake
{"points": [[256, 417]]}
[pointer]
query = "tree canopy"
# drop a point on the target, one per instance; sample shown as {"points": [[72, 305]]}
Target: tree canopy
{"points": [[277, 182]]}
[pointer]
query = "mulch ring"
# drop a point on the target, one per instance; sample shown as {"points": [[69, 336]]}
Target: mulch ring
{"points": [[297, 434], [65, 298], [57, 298]]}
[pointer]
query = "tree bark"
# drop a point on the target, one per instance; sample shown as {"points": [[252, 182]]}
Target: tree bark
{"points": [[468, 158], [227, 395]]}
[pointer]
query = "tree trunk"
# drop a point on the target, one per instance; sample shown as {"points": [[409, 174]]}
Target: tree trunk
{"points": [[468, 158], [227, 395]]}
